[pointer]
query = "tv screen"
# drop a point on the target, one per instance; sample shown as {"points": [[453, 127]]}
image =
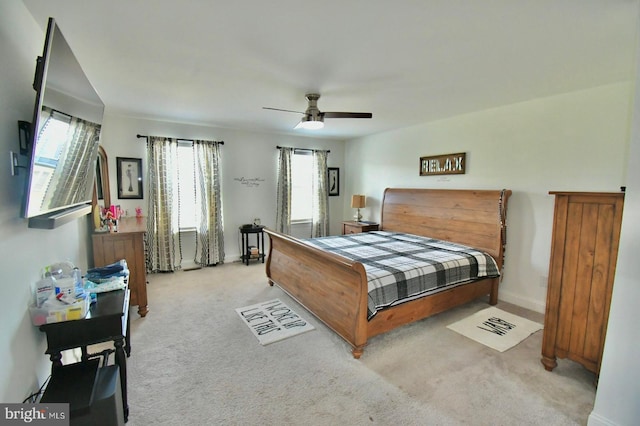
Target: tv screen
{"points": [[65, 135]]}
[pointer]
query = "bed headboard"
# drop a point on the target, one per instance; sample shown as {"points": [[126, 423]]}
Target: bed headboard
{"points": [[476, 218]]}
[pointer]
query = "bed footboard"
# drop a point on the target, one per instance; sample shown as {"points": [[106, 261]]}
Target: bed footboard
{"points": [[332, 288]]}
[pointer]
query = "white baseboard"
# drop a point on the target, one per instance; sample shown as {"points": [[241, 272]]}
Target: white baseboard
{"points": [[524, 302], [597, 420]]}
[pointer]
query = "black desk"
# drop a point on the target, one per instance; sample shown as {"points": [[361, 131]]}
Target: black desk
{"points": [[246, 254], [107, 320]]}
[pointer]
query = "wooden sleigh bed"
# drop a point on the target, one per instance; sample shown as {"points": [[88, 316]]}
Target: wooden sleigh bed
{"points": [[335, 289]]}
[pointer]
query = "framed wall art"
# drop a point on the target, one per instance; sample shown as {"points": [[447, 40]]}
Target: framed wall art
{"points": [[129, 177], [334, 181]]}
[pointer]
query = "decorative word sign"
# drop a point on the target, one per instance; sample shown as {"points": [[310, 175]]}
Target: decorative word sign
{"points": [[447, 164], [249, 182]]}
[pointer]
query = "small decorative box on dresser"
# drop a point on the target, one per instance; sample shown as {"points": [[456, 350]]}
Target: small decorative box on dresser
{"points": [[128, 244], [353, 227], [584, 250]]}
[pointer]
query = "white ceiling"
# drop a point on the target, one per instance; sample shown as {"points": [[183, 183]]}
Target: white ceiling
{"points": [[218, 62]]}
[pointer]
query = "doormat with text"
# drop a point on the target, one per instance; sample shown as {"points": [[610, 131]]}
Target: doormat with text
{"points": [[496, 328], [273, 321]]}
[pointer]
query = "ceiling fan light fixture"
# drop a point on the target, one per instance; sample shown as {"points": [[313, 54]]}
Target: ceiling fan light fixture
{"points": [[313, 118], [310, 123]]}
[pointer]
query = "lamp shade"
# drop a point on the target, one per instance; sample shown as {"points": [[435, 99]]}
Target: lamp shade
{"points": [[357, 201]]}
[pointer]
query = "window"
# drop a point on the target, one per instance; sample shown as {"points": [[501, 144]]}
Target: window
{"points": [[55, 137], [301, 186], [186, 183], [52, 142]]}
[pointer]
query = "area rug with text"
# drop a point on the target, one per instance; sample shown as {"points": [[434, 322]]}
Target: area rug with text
{"points": [[496, 328], [273, 321]]}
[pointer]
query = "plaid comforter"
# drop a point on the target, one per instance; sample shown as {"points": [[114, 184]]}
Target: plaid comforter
{"points": [[404, 266]]}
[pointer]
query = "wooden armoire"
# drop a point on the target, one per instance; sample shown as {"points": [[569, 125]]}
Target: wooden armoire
{"points": [[584, 250]]}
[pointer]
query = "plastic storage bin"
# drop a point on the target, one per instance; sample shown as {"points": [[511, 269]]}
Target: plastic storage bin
{"points": [[47, 315]]}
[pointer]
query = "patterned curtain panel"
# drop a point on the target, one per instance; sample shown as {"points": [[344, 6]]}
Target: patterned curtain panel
{"points": [[320, 199], [80, 150], [162, 219], [209, 230], [283, 200]]}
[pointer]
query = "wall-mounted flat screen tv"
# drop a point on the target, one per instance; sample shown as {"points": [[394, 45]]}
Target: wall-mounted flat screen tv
{"points": [[65, 135]]}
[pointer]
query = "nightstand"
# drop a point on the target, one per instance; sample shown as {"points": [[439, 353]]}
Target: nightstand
{"points": [[352, 227], [249, 252]]}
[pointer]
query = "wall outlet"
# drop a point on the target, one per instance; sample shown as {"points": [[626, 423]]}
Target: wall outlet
{"points": [[544, 281], [14, 163]]}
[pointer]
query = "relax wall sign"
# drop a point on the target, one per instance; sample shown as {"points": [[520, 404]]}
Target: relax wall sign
{"points": [[446, 164]]}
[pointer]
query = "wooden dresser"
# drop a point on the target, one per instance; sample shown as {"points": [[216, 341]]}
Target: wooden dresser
{"points": [[128, 244], [584, 250]]}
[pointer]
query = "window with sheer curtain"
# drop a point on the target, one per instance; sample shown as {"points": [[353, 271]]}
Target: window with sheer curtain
{"points": [[302, 194], [184, 193], [66, 147]]}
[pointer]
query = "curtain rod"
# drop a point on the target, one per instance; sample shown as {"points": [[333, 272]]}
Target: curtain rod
{"points": [[190, 140], [60, 112], [299, 149]]}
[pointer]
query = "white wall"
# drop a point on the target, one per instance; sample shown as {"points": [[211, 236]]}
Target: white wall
{"points": [[245, 154], [24, 251], [576, 141], [618, 395]]}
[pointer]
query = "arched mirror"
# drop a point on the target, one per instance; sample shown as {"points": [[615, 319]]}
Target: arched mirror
{"points": [[101, 193]]}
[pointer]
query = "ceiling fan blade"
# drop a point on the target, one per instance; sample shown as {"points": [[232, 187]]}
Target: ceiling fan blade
{"points": [[285, 110], [347, 115]]}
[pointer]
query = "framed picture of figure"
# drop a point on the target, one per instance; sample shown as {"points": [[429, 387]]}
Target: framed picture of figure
{"points": [[334, 181], [129, 177]]}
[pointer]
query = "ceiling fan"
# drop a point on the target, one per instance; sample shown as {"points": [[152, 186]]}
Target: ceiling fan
{"points": [[314, 118]]}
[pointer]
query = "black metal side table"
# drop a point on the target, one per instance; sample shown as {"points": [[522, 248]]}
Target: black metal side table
{"points": [[247, 255], [107, 320]]}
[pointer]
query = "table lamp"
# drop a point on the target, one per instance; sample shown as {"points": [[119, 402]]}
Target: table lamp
{"points": [[357, 202]]}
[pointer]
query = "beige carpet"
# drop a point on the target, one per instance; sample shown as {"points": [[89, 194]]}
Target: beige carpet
{"points": [[193, 362]]}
